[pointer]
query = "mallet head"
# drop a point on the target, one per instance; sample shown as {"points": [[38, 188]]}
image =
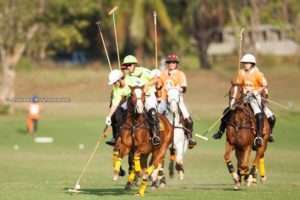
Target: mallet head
{"points": [[113, 10]]}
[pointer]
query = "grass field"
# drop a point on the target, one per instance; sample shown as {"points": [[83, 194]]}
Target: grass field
{"points": [[44, 171]]}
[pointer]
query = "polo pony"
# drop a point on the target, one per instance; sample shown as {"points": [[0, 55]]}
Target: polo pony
{"points": [[135, 136], [240, 134]]}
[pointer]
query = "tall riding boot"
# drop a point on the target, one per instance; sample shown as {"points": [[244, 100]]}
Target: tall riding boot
{"points": [[117, 120], [224, 121], [272, 121], [189, 132], [154, 126], [259, 129]]}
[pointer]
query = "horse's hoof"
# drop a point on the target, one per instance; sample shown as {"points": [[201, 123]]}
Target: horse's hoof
{"points": [[254, 181], [154, 185], [249, 181], [138, 194], [263, 179], [153, 188], [236, 187], [128, 186], [181, 175], [115, 177], [162, 185], [235, 177]]}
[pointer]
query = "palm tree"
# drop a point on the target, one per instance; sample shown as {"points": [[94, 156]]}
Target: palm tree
{"points": [[135, 24]]}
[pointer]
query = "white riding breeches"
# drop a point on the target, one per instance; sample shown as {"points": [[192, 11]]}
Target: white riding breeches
{"points": [[150, 102], [256, 104], [162, 107], [183, 108]]}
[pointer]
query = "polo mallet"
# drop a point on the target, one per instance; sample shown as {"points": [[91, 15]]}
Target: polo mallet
{"points": [[240, 48], [77, 184], [212, 126], [203, 137], [277, 104], [112, 12], [155, 38], [104, 45]]}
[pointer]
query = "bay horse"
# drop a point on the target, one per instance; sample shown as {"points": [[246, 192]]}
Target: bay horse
{"points": [[135, 136], [240, 134]]}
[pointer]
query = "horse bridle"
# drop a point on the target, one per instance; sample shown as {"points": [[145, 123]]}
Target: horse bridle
{"points": [[240, 104]]}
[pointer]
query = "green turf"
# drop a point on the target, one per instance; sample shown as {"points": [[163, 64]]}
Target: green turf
{"points": [[44, 171]]}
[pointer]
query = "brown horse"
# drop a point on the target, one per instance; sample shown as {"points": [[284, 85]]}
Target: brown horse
{"points": [[136, 136], [240, 134]]}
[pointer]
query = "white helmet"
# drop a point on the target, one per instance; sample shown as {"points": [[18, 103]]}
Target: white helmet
{"points": [[248, 58], [114, 76]]}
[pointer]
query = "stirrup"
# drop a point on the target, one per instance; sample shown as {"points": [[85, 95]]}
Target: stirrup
{"points": [[155, 140], [271, 138], [258, 141], [217, 135], [192, 143], [111, 142]]}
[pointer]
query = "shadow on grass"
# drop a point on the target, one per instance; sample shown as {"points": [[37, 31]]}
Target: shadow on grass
{"points": [[212, 187], [185, 188], [102, 191]]}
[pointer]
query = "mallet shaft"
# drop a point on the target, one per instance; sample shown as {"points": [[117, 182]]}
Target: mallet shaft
{"points": [[104, 45]]}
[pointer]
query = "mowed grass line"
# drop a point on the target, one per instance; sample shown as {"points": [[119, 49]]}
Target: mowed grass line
{"points": [[44, 171]]}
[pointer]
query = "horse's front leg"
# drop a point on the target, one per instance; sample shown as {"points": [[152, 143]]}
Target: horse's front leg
{"points": [[145, 177], [158, 157], [158, 176], [118, 153], [227, 158], [259, 163], [131, 172], [137, 162]]}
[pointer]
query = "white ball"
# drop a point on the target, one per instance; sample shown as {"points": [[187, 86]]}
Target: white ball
{"points": [[81, 146], [16, 147]]}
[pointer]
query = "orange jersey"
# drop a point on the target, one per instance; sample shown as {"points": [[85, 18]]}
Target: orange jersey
{"points": [[175, 78], [252, 80]]}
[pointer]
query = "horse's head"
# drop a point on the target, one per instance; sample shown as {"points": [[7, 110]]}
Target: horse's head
{"points": [[137, 99], [173, 98], [235, 95]]}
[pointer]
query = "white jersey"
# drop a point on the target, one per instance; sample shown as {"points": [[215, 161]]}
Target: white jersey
{"points": [[34, 109]]}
